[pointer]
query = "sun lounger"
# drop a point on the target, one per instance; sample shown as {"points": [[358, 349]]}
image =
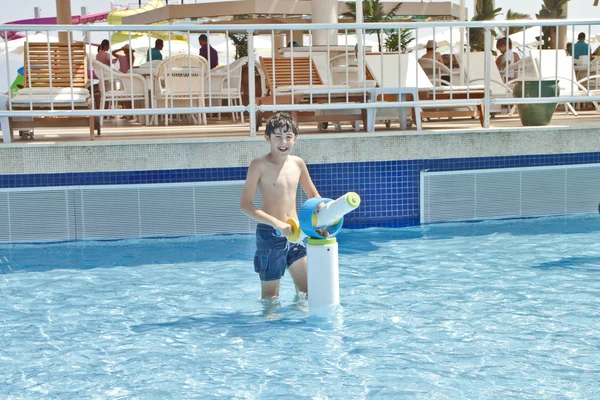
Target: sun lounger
{"points": [[55, 79], [476, 77], [297, 81], [403, 73]]}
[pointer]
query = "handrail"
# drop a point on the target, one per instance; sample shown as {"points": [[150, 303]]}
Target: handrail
{"points": [[367, 104], [297, 27]]}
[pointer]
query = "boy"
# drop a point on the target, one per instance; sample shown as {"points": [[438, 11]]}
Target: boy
{"points": [[276, 175]]}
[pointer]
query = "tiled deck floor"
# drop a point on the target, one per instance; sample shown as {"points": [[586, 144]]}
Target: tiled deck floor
{"points": [[121, 130]]}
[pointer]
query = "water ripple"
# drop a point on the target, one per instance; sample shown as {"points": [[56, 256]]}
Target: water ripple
{"points": [[501, 310]]}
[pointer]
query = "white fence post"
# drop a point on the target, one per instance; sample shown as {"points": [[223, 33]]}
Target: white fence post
{"points": [[251, 85]]}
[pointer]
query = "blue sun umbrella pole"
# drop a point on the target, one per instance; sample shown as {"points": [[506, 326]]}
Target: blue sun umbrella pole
{"points": [[321, 226]]}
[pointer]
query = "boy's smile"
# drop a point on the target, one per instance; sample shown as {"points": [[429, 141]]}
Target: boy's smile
{"points": [[282, 143]]}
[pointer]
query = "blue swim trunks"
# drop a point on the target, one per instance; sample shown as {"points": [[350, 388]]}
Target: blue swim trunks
{"points": [[274, 254]]}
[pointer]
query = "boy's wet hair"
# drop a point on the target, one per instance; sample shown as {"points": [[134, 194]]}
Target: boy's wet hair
{"points": [[282, 121]]}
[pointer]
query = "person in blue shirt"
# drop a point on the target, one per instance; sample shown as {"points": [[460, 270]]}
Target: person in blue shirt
{"points": [[581, 48], [154, 53]]}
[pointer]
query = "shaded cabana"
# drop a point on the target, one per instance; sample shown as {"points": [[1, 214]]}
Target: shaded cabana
{"points": [[281, 11], [287, 12]]}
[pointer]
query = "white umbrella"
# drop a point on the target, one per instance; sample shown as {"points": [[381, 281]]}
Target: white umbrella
{"points": [[530, 35], [16, 46], [444, 39], [368, 40], [223, 46], [263, 47]]}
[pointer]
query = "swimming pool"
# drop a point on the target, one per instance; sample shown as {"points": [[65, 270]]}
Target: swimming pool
{"points": [[494, 310]]}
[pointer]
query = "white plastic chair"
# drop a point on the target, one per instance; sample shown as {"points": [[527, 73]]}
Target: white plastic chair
{"points": [[399, 74], [588, 74], [226, 84], [343, 68], [116, 86], [553, 64], [435, 70], [180, 80], [521, 70], [476, 76]]}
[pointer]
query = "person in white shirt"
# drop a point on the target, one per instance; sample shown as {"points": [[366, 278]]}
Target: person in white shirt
{"points": [[507, 58]]}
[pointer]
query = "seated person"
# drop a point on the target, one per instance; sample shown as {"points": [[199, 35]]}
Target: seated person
{"points": [[507, 58], [103, 55], [446, 59], [125, 57], [569, 48], [430, 54], [581, 48], [208, 52], [154, 53], [428, 67]]}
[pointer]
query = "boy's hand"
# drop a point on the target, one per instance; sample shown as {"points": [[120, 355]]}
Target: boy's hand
{"points": [[283, 228]]}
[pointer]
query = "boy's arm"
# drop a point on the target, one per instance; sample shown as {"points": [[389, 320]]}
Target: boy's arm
{"points": [[248, 208], [306, 182]]}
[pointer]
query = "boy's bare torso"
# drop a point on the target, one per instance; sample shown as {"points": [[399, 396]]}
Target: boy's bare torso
{"points": [[277, 187]]}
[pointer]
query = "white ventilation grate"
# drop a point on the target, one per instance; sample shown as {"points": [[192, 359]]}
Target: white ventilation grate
{"points": [[509, 192], [40, 215], [124, 211]]}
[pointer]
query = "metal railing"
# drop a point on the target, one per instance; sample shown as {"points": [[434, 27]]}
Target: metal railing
{"points": [[313, 93]]}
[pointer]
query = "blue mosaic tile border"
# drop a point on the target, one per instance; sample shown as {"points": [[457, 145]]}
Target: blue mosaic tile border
{"points": [[123, 177], [389, 189]]}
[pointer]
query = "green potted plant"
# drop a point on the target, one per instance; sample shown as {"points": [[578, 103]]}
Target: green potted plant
{"points": [[536, 114], [372, 12]]}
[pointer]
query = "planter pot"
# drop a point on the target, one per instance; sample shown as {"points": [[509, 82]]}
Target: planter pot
{"points": [[536, 114]]}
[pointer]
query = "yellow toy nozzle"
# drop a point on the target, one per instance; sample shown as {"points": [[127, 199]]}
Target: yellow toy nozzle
{"points": [[295, 230]]}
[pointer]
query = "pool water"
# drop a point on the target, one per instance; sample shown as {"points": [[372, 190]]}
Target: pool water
{"points": [[492, 310]]}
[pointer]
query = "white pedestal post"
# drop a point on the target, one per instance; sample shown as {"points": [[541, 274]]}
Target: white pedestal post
{"points": [[323, 277]]}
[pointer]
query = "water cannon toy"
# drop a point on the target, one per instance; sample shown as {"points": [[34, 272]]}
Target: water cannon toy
{"points": [[321, 219]]}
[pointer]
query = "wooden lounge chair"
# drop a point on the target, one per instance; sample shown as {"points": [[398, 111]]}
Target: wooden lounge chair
{"points": [[55, 79], [297, 81]]}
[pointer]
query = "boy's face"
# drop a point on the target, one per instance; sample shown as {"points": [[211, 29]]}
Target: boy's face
{"points": [[281, 142], [501, 47]]}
